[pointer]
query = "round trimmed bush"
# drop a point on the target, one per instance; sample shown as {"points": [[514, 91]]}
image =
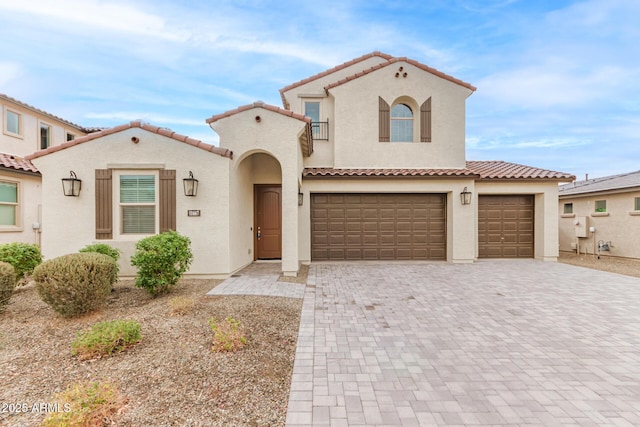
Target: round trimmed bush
{"points": [[75, 284], [7, 283], [104, 249], [24, 257]]}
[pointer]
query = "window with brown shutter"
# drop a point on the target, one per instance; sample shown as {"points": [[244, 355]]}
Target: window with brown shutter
{"points": [[425, 121], [384, 121], [104, 202]]}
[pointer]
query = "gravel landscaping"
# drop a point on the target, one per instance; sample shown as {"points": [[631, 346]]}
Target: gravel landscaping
{"points": [[172, 377], [626, 266]]}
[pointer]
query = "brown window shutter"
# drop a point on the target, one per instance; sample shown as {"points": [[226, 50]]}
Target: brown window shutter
{"points": [[425, 121], [104, 204], [167, 200], [384, 120]]}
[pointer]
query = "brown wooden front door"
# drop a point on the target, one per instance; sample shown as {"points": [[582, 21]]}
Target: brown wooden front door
{"points": [[268, 222]]}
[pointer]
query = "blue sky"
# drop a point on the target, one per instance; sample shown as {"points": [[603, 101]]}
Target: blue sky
{"points": [[558, 81]]}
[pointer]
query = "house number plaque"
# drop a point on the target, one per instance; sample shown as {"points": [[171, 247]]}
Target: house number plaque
{"points": [[193, 212]]}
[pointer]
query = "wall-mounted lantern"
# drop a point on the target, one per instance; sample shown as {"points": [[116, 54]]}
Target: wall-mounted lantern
{"points": [[71, 186], [300, 198], [190, 185], [465, 197]]}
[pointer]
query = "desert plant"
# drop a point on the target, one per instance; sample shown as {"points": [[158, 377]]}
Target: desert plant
{"points": [[228, 335], [7, 283], [86, 404], [181, 305], [161, 260], [106, 338], [23, 256], [104, 249], [75, 284]]}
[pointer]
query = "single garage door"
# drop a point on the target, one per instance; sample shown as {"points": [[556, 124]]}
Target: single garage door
{"points": [[505, 226], [378, 227]]}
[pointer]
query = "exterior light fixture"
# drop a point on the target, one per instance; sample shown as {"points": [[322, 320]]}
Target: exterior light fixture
{"points": [[71, 186], [190, 185], [300, 198], [465, 197]]}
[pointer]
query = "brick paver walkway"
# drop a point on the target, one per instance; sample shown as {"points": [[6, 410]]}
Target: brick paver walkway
{"points": [[496, 342], [259, 279]]}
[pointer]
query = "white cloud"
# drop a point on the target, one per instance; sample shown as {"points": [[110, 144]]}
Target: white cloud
{"points": [[152, 118], [8, 72], [100, 15]]}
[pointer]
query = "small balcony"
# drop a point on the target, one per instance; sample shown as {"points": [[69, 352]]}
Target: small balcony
{"points": [[320, 131]]}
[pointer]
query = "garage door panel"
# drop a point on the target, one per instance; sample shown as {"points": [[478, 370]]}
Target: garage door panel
{"points": [[505, 226], [378, 226]]}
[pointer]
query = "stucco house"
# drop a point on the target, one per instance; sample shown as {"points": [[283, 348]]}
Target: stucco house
{"points": [[364, 161], [601, 216], [25, 129]]}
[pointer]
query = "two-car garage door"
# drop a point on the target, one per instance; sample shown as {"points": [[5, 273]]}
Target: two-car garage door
{"points": [[378, 227], [413, 226]]}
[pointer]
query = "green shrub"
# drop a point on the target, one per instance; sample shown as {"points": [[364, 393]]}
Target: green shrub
{"points": [[23, 256], [86, 404], [161, 260], [7, 283], [104, 249], [75, 284], [227, 335], [106, 338]]}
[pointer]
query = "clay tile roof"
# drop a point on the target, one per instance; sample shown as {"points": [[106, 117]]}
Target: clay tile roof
{"points": [[135, 124], [498, 169], [18, 163], [392, 61], [475, 169], [39, 111], [354, 173], [258, 104], [334, 69], [629, 180]]}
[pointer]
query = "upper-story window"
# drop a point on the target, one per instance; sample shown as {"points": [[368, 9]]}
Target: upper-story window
{"points": [[601, 205], [568, 208], [636, 204], [12, 123], [45, 136], [70, 137], [401, 123], [320, 129]]}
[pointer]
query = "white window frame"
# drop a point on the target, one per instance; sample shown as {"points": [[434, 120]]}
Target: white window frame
{"points": [[411, 119], [5, 120], [18, 207], [48, 126], [118, 222], [68, 136]]}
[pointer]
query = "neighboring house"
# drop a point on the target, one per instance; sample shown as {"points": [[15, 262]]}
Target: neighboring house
{"points": [[601, 216], [25, 129], [366, 161]]}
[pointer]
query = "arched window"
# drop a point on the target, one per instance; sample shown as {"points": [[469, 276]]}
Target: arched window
{"points": [[401, 123]]}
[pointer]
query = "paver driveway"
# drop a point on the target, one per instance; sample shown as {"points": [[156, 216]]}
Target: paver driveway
{"points": [[495, 342]]}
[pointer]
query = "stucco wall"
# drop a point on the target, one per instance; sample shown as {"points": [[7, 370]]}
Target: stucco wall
{"points": [[29, 195], [69, 222], [461, 235], [545, 211], [272, 141], [620, 227]]}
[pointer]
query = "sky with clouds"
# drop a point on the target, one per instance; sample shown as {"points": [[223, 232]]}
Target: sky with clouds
{"points": [[558, 80]]}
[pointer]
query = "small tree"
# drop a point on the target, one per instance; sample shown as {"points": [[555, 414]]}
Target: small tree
{"points": [[7, 283], [161, 260], [23, 256]]}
